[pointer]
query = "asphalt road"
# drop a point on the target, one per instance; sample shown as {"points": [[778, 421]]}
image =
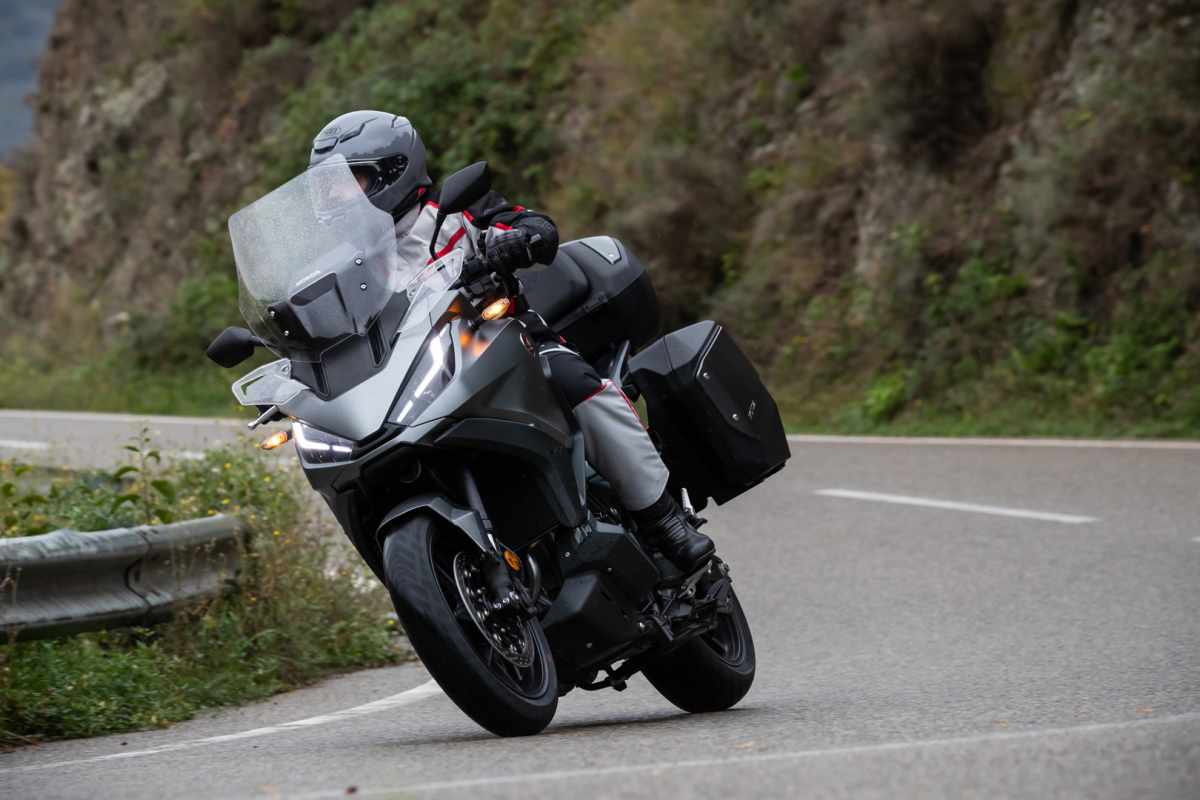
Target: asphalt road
{"points": [[931, 619]]}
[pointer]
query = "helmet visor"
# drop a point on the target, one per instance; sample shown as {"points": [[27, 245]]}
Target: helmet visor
{"points": [[369, 177]]}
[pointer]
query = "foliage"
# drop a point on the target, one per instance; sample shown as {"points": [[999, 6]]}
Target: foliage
{"points": [[299, 609], [885, 397], [985, 197]]}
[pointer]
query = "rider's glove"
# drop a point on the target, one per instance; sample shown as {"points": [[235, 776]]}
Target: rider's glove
{"points": [[507, 251]]}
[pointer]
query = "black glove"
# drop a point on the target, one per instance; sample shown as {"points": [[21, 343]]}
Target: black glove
{"points": [[508, 251]]}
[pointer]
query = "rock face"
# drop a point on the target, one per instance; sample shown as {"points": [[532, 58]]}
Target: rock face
{"points": [[952, 194], [928, 188], [145, 118]]}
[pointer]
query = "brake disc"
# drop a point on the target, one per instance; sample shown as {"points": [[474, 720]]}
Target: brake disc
{"points": [[504, 631]]}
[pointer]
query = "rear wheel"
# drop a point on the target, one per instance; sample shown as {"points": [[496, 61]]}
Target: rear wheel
{"points": [[711, 672], [500, 673]]}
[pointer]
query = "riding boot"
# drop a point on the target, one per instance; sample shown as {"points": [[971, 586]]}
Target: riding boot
{"points": [[666, 526]]}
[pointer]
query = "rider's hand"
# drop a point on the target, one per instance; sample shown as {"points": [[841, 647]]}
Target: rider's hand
{"points": [[508, 251]]}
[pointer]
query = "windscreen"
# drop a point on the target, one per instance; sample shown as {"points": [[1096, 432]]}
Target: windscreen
{"points": [[316, 261]]}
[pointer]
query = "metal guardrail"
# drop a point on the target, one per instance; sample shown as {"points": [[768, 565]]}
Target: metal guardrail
{"points": [[67, 582]]}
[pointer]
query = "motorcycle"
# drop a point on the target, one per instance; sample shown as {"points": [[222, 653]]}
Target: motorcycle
{"points": [[422, 414]]}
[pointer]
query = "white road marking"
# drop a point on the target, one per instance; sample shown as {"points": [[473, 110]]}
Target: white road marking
{"points": [[427, 689], [977, 441], [702, 763], [83, 416], [949, 505], [23, 444]]}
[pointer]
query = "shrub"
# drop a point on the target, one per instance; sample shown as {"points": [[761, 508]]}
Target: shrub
{"points": [[302, 607], [885, 397]]}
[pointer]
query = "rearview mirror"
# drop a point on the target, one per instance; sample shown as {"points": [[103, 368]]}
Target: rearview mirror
{"points": [[233, 346], [459, 192], [465, 188]]}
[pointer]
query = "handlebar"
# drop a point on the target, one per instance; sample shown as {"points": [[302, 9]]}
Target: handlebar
{"points": [[472, 269]]}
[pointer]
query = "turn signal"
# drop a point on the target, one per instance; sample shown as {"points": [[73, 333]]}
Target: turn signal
{"points": [[496, 309], [276, 439]]}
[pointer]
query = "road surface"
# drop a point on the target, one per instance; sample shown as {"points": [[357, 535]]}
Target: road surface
{"points": [[933, 619]]}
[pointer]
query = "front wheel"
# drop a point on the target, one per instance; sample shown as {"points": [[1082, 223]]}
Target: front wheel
{"points": [[711, 672], [504, 679]]}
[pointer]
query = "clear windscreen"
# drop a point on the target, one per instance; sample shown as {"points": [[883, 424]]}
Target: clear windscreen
{"points": [[316, 261], [427, 287]]}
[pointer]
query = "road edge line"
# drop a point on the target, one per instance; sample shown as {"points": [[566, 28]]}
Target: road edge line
{"points": [[405, 698]]}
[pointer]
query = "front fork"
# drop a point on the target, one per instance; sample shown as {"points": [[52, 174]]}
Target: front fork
{"points": [[508, 594]]}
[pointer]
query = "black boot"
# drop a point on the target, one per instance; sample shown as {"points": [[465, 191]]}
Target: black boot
{"points": [[666, 526]]}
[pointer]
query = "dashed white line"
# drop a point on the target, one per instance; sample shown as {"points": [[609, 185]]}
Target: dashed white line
{"points": [[761, 758], [427, 689], [950, 505], [23, 444]]}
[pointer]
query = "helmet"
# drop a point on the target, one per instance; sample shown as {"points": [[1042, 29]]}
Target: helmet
{"points": [[384, 152]]}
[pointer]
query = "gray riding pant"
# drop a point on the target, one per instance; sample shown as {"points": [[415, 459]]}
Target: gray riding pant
{"points": [[616, 442]]}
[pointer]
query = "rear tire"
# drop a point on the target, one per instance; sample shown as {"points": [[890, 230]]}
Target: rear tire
{"points": [[711, 672], [418, 558]]}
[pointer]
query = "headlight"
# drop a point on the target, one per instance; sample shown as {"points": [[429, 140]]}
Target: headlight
{"points": [[429, 377], [318, 447]]}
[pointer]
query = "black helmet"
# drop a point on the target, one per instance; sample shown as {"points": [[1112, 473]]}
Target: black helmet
{"points": [[384, 152]]}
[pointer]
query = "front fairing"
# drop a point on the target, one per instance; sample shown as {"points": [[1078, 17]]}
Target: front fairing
{"points": [[361, 409]]}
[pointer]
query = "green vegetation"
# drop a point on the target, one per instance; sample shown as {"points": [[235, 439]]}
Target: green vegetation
{"points": [[295, 614], [924, 215]]}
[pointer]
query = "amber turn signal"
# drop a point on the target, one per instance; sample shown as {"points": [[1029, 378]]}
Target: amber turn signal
{"points": [[496, 309], [276, 439]]}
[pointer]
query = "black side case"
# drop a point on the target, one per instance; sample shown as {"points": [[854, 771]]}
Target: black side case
{"points": [[719, 428], [595, 294]]}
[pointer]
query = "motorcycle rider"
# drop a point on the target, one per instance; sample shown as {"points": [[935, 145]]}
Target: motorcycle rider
{"points": [[387, 157]]}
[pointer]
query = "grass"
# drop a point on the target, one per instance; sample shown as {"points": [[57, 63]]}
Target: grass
{"points": [[298, 612]]}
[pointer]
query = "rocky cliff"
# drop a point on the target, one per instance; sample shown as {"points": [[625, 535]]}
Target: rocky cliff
{"points": [[988, 209]]}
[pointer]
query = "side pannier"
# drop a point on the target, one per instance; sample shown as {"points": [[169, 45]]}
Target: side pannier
{"points": [[719, 428]]}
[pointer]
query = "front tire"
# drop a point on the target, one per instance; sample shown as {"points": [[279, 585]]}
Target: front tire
{"points": [[711, 672], [418, 561]]}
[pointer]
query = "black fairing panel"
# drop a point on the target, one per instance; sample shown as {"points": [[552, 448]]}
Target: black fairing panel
{"points": [[588, 621], [354, 359], [550, 460], [719, 426], [595, 294], [610, 546], [606, 576]]}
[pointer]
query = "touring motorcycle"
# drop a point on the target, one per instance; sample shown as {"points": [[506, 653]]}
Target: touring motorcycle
{"points": [[423, 415]]}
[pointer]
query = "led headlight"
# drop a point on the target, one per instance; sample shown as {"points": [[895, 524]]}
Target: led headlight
{"points": [[318, 447], [429, 377]]}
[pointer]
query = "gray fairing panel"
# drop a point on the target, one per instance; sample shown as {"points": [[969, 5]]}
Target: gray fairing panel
{"points": [[362, 410], [499, 377]]}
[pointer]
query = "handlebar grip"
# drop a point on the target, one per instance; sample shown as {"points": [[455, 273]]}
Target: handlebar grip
{"points": [[472, 269]]}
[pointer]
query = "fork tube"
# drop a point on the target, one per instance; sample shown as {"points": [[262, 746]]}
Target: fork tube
{"points": [[475, 501]]}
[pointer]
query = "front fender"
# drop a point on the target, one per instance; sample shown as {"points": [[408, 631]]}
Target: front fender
{"points": [[464, 519]]}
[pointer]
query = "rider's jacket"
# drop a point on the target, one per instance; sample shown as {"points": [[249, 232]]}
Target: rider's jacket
{"points": [[490, 215]]}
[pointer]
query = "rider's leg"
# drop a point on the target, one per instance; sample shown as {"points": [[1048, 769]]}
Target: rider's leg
{"points": [[618, 446]]}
